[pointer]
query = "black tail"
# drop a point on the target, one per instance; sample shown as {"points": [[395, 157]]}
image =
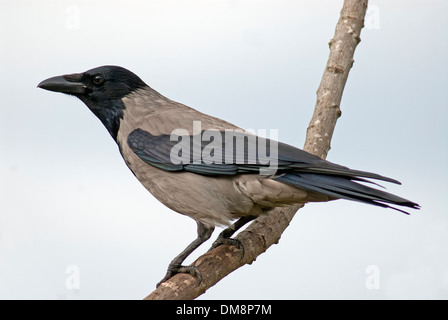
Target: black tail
{"points": [[345, 187]]}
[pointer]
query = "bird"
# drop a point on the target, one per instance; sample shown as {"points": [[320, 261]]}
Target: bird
{"points": [[207, 168]]}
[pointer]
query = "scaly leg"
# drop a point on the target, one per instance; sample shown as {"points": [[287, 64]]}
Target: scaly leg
{"points": [[224, 236], [204, 233]]}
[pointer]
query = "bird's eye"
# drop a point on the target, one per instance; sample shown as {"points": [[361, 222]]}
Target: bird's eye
{"points": [[98, 79]]}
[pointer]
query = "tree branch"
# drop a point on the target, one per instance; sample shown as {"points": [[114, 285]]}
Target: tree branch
{"points": [[267, 230]]}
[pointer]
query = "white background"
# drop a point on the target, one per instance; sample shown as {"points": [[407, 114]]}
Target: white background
{"points": [[69, 203]]}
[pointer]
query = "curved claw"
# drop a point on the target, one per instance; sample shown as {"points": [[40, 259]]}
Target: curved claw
{"points": [[229, 241], [224, 236], [173, 270]]}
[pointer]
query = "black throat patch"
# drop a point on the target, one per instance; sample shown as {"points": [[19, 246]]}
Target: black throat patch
{"points": [[110, 113]]}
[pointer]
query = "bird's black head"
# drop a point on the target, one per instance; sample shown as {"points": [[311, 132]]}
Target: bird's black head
{"points": [[101, 89]]}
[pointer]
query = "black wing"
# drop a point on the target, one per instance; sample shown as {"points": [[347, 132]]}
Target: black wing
{"points": [[231, 153]]}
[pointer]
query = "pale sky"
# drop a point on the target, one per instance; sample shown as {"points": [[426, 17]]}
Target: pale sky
{"points": [[76, 224]]}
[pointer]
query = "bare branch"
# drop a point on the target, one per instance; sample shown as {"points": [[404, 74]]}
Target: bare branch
{"points": [[267, 230], [340, 61]]}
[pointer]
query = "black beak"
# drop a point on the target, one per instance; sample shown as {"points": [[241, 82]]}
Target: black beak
{"points": [[70, 84]]}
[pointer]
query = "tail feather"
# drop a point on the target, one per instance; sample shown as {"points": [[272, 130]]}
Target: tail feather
{"points": [[343, 187]]}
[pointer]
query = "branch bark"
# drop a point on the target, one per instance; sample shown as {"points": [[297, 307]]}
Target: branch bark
{"points": [[267, 230]]}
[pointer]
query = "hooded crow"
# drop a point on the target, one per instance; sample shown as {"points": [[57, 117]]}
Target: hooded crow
{"points": [[207, 168]]}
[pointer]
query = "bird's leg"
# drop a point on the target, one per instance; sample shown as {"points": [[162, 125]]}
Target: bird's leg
{"points": [[204, 233], [224, 236]]}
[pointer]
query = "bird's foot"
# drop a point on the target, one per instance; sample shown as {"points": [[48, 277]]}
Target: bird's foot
{"points": [[228, 241], [176, 266], [225, 236], [175, 269]]}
